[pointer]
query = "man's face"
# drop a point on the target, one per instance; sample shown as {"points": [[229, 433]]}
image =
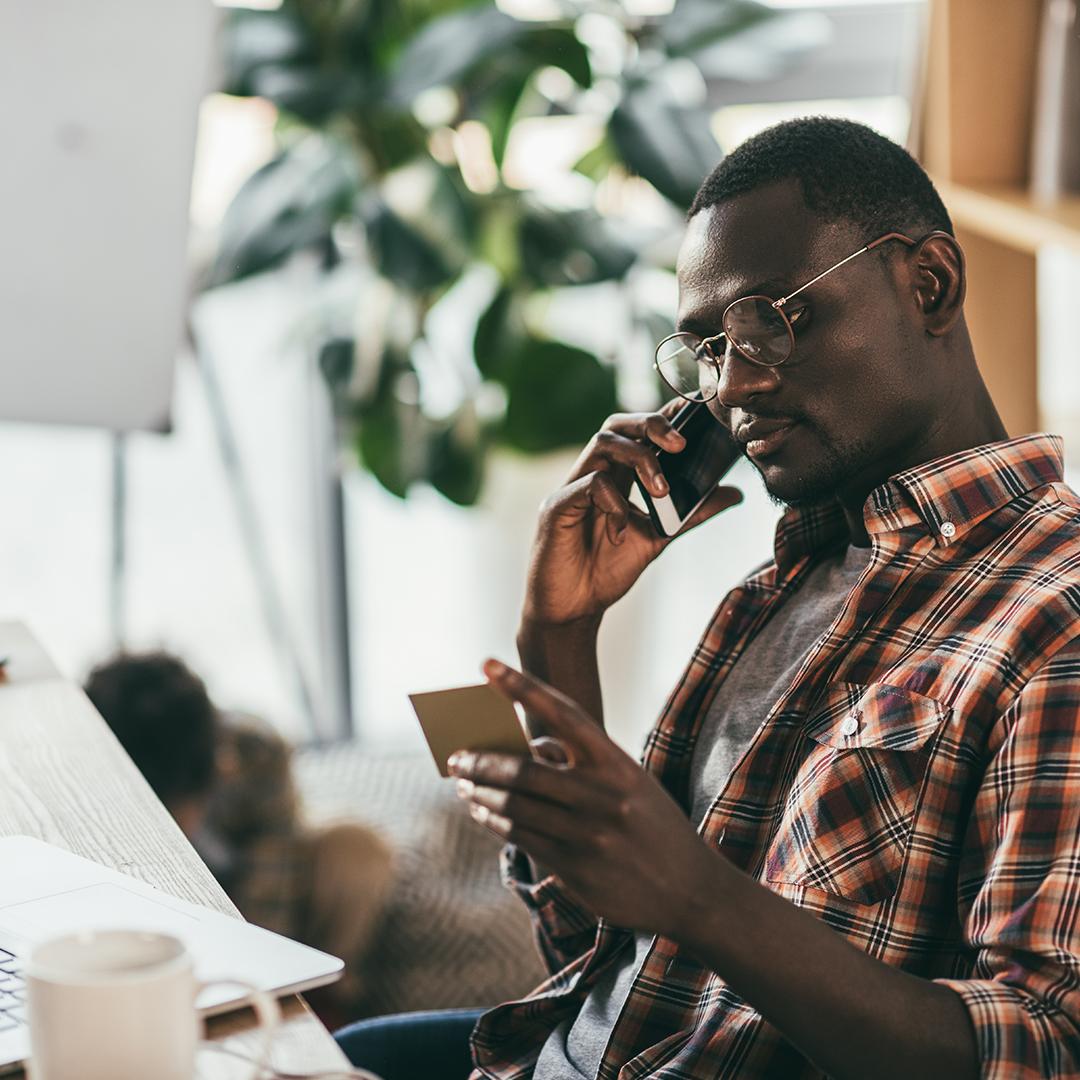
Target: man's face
{"points": [[855, 403]]}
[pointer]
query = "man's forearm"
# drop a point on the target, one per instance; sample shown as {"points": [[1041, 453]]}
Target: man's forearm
{"points": [[564, 656], [851, 1015]]}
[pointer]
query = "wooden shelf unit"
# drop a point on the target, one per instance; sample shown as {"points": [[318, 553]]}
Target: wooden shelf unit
{"points": [[976, 143]]}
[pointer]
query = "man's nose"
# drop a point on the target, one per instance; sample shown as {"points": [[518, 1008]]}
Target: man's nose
{"points": [[740, 382]]}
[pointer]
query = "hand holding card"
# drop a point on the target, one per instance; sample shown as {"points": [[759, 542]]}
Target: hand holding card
{"points": [[469, 718]]}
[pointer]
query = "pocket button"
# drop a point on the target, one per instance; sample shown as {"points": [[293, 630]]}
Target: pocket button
{"points": [[848, 726]]}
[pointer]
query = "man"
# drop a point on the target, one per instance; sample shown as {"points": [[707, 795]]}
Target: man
{"points": [[852, 849]]}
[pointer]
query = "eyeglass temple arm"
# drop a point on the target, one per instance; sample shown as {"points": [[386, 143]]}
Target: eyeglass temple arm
{"points": [[873, 244]]}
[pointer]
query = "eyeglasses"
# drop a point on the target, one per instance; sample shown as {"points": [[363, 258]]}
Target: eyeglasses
{"points": [[756, 327]]}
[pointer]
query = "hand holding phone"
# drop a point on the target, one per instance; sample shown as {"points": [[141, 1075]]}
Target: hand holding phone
{"points": [[693, 472], [591, 543]]}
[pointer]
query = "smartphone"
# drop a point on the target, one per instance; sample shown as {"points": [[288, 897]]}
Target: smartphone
{"points": [[694, 471]]}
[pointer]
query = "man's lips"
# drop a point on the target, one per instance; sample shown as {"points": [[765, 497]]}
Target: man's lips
{"points": [[764, 437]]}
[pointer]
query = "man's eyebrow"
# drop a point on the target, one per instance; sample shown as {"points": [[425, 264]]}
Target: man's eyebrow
{"points": [[702, 328], [773, 289], [706, 327]]}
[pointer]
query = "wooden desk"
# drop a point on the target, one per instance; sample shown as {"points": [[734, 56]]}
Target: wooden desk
{"points": [[65, 779]]}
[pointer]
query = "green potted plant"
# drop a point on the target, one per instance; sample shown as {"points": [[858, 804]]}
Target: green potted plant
{"points": [[379, 103]]}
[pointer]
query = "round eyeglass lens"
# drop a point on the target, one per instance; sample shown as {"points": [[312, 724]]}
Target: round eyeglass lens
{"points": [[686, 366], [759, 331]]}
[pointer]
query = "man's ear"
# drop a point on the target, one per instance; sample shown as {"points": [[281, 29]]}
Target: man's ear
{"points": [[940, 280]]}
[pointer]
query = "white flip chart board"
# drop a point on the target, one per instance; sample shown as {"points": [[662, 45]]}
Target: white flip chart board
{"points": [[97, 141]]}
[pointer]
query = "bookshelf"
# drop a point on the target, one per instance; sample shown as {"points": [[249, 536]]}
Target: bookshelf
{"points": [[975, 142]]}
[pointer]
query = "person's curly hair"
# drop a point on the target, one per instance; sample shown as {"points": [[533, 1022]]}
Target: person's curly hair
{"points": [[846, 170], [160, 711]]}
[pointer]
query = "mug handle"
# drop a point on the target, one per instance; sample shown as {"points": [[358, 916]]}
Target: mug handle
{"points": [[267, 1010]]}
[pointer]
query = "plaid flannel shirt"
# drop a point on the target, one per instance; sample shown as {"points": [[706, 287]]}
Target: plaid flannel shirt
{"points": [[917, 787]]}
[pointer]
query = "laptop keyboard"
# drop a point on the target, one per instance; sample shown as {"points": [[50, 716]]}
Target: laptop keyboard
{"points": [[12, 992]]}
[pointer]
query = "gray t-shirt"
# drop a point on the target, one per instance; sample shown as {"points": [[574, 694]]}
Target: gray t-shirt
{"points": [[760, 676]]}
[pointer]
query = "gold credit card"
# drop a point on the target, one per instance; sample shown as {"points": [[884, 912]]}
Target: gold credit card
{"points": [[469, 718]]}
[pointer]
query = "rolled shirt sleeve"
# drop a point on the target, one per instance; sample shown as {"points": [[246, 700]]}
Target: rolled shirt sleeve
{"points": [[565, 928], [1019, 885]]}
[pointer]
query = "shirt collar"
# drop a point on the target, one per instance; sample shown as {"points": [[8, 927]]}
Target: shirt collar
{"points": [[949, 495]]}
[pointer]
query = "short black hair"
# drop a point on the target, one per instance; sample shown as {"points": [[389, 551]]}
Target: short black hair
{"points": [[160, 711], [847, 171]]}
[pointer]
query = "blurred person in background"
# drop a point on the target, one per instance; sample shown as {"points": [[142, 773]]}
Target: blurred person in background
{"points": [[226, 778], [160, 712]]}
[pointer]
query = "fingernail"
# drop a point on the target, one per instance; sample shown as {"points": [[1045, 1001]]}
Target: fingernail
{"points": [[479, 813], [497, 667], [465, 788], [455, 759], [660, 486]]}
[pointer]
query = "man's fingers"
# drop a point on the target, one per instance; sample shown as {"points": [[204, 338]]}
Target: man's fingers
{"points": [[538, 845], [595, 491], [624, 457], [654, 426], [609, 500], [557, 820], [578, 500], [671, 407], [562, 718], [472, 766], [499, 825], [627, 444]]}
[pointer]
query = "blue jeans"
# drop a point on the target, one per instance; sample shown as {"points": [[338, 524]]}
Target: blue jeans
{"points": [[413, 1046]]}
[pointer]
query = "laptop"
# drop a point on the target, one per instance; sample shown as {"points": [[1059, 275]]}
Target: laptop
{"points": [[46, 892]]}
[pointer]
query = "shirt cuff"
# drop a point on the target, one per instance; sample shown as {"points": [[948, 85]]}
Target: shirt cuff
{"points": [[561, 914], [1018, 1036], [516, 871]]}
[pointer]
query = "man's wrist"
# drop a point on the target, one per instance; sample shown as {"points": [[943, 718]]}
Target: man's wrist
{"points": [[563, 655], [541, 645], [585, 627], [701, 913]]}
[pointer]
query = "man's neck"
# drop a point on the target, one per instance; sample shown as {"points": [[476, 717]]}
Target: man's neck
{"points": [[853, 503]]}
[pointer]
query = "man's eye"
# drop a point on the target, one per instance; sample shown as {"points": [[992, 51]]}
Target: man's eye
{"points": [[797, 316]]}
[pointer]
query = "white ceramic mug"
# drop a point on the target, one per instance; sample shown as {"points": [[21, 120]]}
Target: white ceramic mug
{"points": [[118, 1005]]}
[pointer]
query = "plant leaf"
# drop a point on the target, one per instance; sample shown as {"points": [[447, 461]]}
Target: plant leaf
{"points": [[392, 139], [252, 39], [289, 204], [308, 92], [392, 436], [574, 247], [400, 253], [670, 146], [336, 359], [555, 46], [449, 219], [499, 333], [456, 458], [598, 161], [557, 396], [496, 108], [693, 24], [444, 50]]}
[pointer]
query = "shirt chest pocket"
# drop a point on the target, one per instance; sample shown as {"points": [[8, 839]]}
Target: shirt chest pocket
{"points": [[848, 812]]}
